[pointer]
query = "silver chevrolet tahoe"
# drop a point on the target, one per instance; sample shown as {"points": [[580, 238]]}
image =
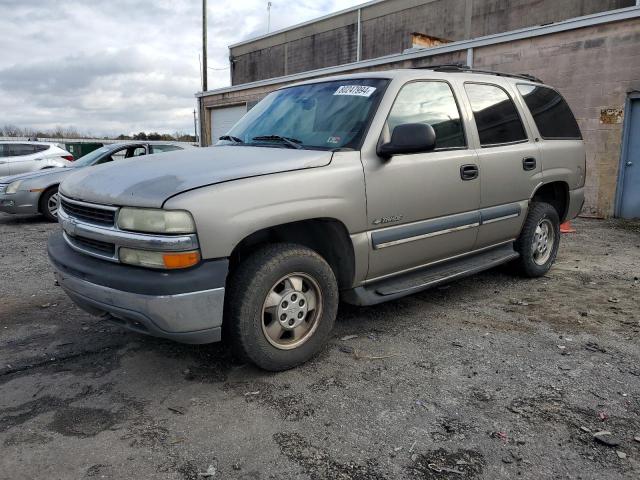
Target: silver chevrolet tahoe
{"points": [[365, 187]]}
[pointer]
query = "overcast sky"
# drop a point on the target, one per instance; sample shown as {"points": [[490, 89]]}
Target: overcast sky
{"points": [[123, 66]]}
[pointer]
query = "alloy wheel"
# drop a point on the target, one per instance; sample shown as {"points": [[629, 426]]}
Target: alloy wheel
{"points": [[291, 311]]}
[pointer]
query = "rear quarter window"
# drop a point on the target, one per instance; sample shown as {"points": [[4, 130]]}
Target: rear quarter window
{"points": [[550, 111]]}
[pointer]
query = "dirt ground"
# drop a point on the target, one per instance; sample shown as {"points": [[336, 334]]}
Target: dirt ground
{"points": [[491, 377]]}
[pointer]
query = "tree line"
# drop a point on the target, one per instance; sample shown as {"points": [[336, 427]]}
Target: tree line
{"points": [[70, 132]]}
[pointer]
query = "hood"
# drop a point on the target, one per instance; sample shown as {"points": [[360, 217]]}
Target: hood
{"points": [[149, 181], [33, 175]]}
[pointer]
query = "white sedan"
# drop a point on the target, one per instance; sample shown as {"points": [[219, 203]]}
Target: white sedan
{"points": [[21, 157]]}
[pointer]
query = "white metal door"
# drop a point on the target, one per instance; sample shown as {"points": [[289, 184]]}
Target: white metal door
{"points": [[222, 119]]}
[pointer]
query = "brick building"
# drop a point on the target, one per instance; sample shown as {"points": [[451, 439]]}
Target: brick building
{"points": [[588, 49]]}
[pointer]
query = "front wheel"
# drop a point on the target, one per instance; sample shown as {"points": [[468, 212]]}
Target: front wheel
{"points": [[49, 203], [538, 243], [281, 305]]}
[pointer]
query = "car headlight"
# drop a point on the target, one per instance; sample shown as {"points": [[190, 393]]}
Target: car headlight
{"points": [[151, 220], [165, 260], [13, 187]]}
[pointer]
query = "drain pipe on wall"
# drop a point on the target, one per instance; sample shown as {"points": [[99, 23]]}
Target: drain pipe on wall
{"points": [[359, 39], [470, 56]]}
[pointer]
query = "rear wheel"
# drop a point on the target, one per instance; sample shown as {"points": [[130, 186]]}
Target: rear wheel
{"points": [[49, 203], [281, 305], [539, 241]]}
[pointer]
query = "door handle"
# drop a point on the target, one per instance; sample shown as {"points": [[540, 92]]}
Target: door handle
{"points": [[469, 172], [529, 163]]}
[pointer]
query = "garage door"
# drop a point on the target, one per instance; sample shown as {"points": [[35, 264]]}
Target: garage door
{"points": [[222, 119]]}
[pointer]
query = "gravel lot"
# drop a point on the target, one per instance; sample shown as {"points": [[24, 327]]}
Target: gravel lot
{"points": [[491, 377]]}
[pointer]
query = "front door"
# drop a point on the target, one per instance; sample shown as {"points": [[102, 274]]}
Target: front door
{"points": [[420, 209], [630, 195]]}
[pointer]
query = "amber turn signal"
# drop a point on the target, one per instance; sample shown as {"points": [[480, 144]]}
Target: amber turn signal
{"points": [[180, 260]]}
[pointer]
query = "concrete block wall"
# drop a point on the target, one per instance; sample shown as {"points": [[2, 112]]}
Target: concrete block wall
{"points": [[386, 29]]}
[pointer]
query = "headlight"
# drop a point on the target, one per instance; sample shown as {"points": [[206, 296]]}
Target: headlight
{"points": [[155, 220], [13, 187], [165, 260]]}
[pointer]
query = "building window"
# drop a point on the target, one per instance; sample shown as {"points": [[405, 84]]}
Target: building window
{"points": [[432, 103], [551, 113], [496, 115]]}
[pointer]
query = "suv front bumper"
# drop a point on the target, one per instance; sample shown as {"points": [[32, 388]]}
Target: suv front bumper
{"points": [[182, 305]]}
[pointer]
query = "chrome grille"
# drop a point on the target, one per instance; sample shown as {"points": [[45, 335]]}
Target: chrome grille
{"points": [[89, 213], [97, 246]]}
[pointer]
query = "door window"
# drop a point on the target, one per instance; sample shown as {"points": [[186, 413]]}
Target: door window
{"points": [[496, 115], [432, 103], [136, 152], [19, 149], [550, 111], [165, 148]]}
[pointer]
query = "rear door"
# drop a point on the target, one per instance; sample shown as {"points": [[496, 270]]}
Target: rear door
{"points": [[4, 161], [22, 157], [510, 167]]}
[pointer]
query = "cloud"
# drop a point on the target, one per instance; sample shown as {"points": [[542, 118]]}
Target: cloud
{"points": [[123, 65]]}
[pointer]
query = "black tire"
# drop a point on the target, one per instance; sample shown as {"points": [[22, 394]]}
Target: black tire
{"points": [[247, 291], [44, 202], [526, 264]]}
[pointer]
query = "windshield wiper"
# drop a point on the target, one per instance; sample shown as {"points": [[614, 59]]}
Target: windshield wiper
{"points": [[292, 142], [231, 138]]}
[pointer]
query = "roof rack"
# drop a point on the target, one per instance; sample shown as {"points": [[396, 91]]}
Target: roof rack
{"points": [[459, 67]]}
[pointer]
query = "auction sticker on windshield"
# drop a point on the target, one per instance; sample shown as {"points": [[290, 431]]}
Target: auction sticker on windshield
{"points": [[355, 90]]}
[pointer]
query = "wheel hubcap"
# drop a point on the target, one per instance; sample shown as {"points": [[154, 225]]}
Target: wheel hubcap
{"points": [[543, 241], [291, 311], [52, 204]]}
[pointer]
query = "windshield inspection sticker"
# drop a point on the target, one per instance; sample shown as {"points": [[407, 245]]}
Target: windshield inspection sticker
{"points": [[355, 90]]}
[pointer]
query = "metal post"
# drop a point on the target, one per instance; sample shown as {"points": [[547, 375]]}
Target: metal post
{"points": [[470, 57], [195, 125], [268, 17], [359, 39], [204, 45]]}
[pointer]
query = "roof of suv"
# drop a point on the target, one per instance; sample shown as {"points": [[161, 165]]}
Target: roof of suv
{"points": [[426, 73]]}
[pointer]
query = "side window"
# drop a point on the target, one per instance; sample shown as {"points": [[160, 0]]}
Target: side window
{"points": [[40, 148], [20, 149], [2, 147], [136, 152], [433, 103], [551, 113], [165, 148], [496, 115]]}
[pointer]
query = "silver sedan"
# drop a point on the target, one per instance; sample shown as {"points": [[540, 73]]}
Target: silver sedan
{"points": [[37, 192]]}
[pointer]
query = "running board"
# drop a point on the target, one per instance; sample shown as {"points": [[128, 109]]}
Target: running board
{"points": [[428, 277]]}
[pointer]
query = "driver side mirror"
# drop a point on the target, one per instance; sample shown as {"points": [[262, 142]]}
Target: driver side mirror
{"points": [[409, 138]]}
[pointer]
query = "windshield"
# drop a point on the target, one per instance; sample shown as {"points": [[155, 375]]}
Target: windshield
{"points": [[327, 116], [92, 157]]}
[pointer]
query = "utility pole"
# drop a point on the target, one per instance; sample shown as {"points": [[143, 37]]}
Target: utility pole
{"points": [[204, 45], [268, 17], [195, 125]]}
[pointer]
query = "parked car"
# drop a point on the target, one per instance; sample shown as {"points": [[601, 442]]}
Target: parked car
{"points": [[368, 187], [37, 192], [20, 157]]}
